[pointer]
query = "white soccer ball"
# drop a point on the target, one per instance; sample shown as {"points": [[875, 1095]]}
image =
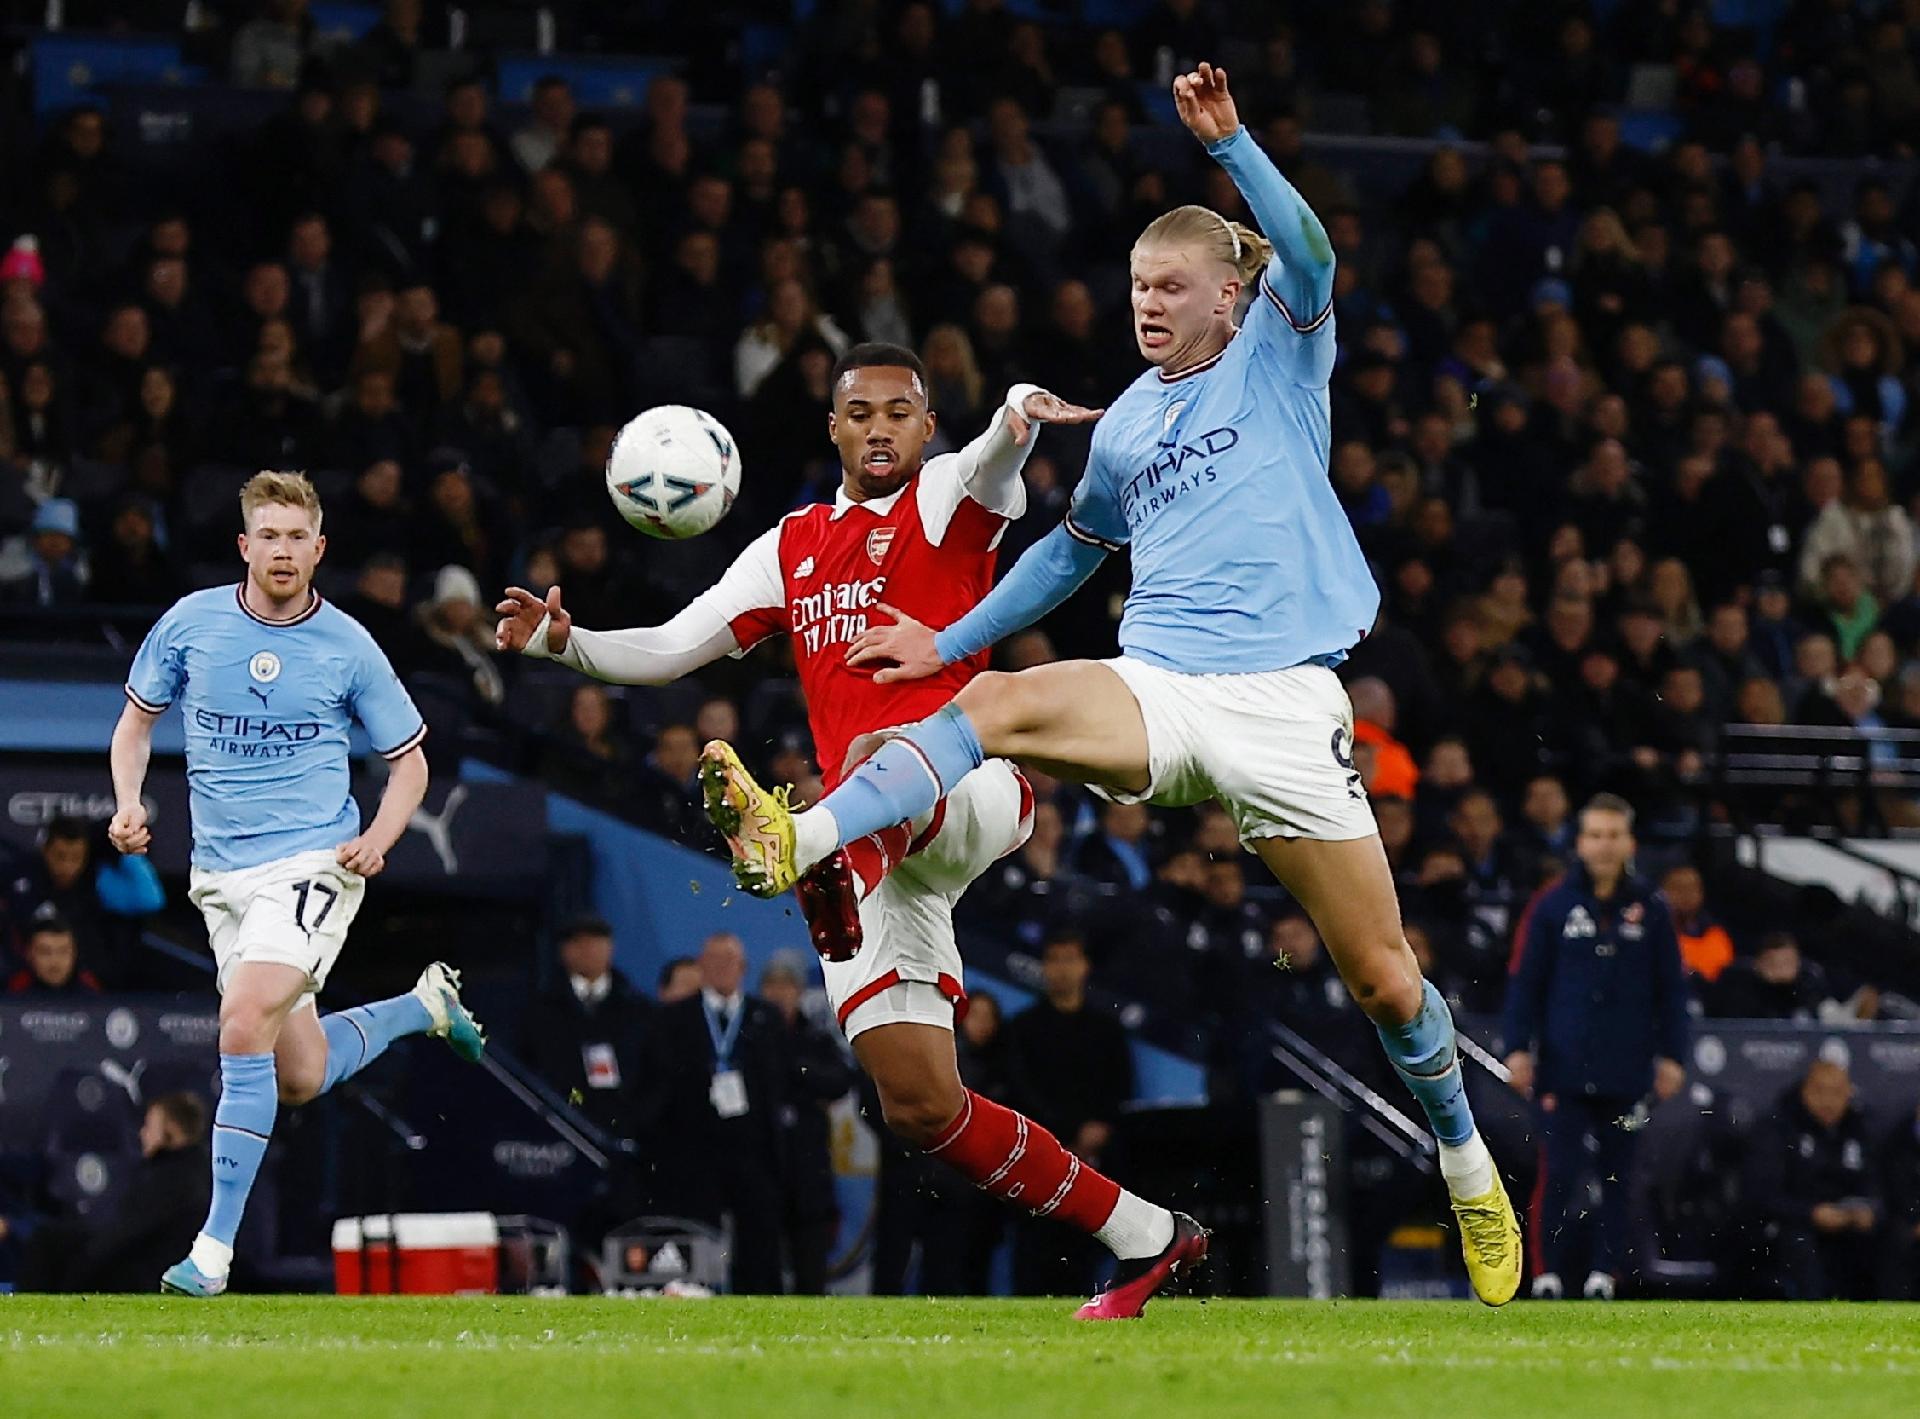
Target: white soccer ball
{"points": [[674, 471]]}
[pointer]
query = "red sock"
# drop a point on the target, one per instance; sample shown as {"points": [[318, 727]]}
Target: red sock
{"points": [[877, 854], [1016, 1160]]}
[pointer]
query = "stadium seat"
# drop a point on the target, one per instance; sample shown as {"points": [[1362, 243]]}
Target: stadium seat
{"points": [[596, 83], [68, 68], [87, 1112]]}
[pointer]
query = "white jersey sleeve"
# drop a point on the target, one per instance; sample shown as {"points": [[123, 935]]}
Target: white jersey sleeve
{"points": [[987, 471], [737, 612]]}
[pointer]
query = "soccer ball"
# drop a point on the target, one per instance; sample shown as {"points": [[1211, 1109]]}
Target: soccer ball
{"points": [[674, 471]]}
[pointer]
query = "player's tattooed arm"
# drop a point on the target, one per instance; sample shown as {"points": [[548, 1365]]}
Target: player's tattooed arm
{"points": [[1303, 260]]}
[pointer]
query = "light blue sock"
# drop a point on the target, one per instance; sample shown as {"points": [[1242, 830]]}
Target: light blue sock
{"points": [[242, 1124], [1422, 1051], [907, 775], [357, 1037]]}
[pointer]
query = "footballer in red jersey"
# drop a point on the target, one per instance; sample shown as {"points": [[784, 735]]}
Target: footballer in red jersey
{"points": [[919, 537]]}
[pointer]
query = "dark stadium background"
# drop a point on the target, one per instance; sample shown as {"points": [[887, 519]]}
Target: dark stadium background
{"points": [[1625, 418]]}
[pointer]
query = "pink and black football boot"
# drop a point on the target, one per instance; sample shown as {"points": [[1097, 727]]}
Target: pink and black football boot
{"points": [[1140, 1280], [831, 906]]}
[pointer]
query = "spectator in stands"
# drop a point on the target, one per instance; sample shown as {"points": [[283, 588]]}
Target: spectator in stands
{"points": [[132, 569], [419, 351], [1596, 1017], [718, 1077], [1812, 1182], [587, 1034], [1776, 983], [1847, 609], [588, 754], [451, 623], [1071, 1071], [666, 791], [819, 1075], [1375, 716], [1867, 529], [103, 903], [49, 566], [1549, 828], [269, 50], [154, 1217], [1120, 853], [52, 960], [1705, 947]]}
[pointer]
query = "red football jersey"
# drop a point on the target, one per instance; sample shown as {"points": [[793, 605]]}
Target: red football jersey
{"points": [[928, 550]]}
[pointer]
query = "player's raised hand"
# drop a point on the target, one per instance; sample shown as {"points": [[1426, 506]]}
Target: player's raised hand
{"points": [[521, 613], [360, 856], [1204, 104], [1041, 407], [128, 830], [904, 649]]}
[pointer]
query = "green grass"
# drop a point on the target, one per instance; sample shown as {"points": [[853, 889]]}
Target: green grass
{"points": [[121, 1357]]}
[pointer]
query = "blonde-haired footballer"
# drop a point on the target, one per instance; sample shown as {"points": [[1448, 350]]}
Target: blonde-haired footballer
{"points": [[270, 680]]}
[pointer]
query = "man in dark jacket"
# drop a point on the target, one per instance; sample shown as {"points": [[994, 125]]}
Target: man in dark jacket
{"points": [[587, 1035], [154, 1220], [717, 1081], [1596, 1014], [1902, 1251], [818, 1074], [1071, 1072], [1811, 1178]]}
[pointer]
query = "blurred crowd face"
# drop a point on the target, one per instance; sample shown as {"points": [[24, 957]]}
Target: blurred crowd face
{"points": [[1826, 1092], [1684, 891], [677, 753], [52, 957], [1064, 970], [590, 713], [1546, 805], [723, 963], [1605, 843], [587, 954]]}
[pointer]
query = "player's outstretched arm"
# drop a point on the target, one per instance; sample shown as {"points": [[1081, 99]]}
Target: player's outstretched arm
{"points": [[127, 757], [405, 791], [1302, 267], [641, 655], [1050, 571], [989, 467]]}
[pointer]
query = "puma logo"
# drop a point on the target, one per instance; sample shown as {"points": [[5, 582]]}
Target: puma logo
{"points": [[437, 828], [260, 695]]}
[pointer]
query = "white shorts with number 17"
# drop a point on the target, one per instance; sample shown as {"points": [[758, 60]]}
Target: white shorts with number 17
{"points": [[1275, 747], [293, 912]]}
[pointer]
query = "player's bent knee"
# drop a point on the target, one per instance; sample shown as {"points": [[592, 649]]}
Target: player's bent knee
{"points": [[1001, 707], [918, 1115], [1387, 986], [302, 1089], [247, 1028]]}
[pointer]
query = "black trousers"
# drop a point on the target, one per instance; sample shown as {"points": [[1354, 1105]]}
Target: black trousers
{"points": [[1582, 1140]]}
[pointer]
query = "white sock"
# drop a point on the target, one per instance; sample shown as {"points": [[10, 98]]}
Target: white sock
{"points": [[212, 1256], [1137, 1228], [1467, 1167], [815, 836]]}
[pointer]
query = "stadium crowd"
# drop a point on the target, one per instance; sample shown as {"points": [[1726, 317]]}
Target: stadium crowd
{"points": [[1629, 436]]}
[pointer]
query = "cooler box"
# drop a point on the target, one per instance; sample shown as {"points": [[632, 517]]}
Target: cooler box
{"points": [[440, 1254]]}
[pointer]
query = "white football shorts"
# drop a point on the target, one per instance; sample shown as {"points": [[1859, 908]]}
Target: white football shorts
{"points": [[1275, 747], [294, 912], [908, 969]]}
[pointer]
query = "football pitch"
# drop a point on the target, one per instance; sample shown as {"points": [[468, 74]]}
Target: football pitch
{"points": [[291, 1357]]}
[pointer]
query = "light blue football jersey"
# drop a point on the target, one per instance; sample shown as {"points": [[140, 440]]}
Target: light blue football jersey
{"points": [[1243, 558], [268, 708]]}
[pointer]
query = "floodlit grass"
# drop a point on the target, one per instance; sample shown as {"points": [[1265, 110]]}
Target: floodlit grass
{"points": [[341, 1358]]}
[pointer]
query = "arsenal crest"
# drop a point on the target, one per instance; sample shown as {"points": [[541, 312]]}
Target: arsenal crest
{"points": [[878, 541]]}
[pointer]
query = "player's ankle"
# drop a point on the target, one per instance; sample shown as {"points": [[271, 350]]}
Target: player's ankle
{"points": [[815, 836], [210, 1256], [1467, 1167]]}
